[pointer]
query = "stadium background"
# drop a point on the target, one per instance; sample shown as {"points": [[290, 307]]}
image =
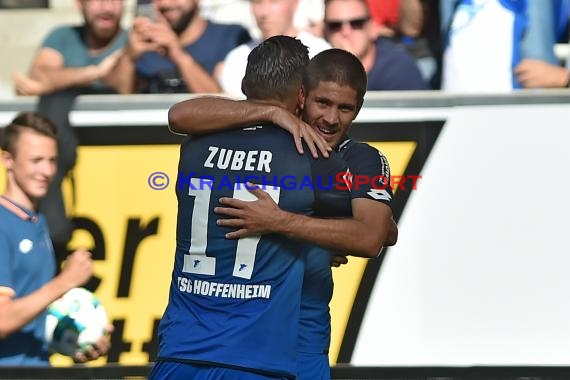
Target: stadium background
{"points": [[476, 287], [472, 285]]}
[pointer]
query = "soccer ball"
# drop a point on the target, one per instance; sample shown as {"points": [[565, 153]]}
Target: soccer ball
{"points": [[75, 321]]}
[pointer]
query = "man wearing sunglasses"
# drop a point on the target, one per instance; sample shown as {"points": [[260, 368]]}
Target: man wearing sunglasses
{"points": [[348, 26]]}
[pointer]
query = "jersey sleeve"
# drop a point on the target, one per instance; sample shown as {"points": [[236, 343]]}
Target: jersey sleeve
{"points": [[332, 192], [370, 174], [56, 39], [6, 280]]}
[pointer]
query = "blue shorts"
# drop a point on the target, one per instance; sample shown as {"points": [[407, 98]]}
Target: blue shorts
{"points": [[184, 371], [313, 366]]}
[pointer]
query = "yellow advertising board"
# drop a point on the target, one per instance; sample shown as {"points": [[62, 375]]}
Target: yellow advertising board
{"points": [[130, 228]]}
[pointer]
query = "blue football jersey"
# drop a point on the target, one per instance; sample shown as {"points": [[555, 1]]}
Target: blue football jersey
{"points": [[235, 303], [314, 322], [315, 319], [27, 263]]}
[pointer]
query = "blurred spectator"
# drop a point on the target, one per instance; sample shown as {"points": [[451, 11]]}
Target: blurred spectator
{"points": [[28, 284], [385, 16], [78, 56], [72, 60], [534, 72], [273, 17], [542, 30], [178, 52], [487, 39], [348, 26], [416, 34]]}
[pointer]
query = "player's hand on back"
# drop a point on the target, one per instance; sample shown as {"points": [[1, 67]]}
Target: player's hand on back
{"points": [[250, 218], [78, 269], [301, 131]]}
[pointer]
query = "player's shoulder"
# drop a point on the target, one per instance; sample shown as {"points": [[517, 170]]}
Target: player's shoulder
{"points": [[363, 158], [252, 137], [332, 167], [265, 132], [352, 148], [16, 219]]}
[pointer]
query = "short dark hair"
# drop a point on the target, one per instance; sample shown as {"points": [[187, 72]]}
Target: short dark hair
{"points": [[275, 69], [26, 121], [338, 66]]}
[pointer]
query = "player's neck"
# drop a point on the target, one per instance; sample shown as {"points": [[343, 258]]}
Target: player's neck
{"points": [[289, 106], [17, 196], [193, 31]]}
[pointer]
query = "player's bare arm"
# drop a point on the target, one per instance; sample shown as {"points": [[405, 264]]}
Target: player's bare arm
{"points": [[392, 238], [363, 235], [48, 74], [202, 116], [16, 313]]}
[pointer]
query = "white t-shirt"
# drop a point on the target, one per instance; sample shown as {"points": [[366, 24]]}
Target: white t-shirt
{"points": [[483, 47], [236, 61]]}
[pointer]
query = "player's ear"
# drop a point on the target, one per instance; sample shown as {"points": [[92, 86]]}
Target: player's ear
{"points": [[301, 98], [7, 159], [358, 108]]}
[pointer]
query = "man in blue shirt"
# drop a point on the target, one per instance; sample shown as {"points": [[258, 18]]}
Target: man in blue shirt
{"points": [[27, 262], [177, 51], [332, 95], [233, 308]]}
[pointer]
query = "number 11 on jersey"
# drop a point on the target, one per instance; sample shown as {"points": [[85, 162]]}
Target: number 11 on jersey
{"points": [[196, 260]]}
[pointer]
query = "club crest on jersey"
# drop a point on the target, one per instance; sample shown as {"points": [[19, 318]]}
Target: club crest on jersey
{"points": [[25, 246]]}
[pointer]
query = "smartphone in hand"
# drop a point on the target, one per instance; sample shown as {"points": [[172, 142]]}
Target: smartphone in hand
{"points": [[145, 8]]}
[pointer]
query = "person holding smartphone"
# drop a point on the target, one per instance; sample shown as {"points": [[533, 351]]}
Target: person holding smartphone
{"points": [[174, 49]]}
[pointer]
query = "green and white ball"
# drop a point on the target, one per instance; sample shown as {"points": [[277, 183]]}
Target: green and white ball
{"points": [[75, 321]]}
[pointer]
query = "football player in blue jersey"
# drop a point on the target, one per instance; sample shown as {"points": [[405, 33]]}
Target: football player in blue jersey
{"points": [[234, 304], [332, 95], [27, 261]]}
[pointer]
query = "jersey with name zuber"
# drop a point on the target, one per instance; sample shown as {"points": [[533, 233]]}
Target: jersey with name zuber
{"points": [[235, 303]]}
